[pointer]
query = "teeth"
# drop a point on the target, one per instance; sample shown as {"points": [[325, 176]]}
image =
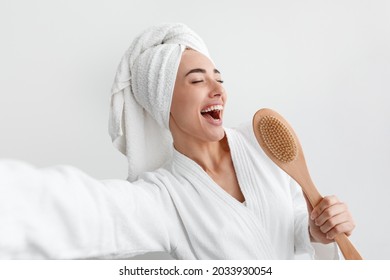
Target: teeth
{"points": [[212, 108]]}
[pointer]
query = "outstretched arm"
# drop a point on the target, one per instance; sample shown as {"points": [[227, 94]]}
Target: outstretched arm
{"points": [[62, 213]]}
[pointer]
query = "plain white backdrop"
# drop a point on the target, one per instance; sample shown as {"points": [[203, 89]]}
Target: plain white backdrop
{"points": [[324, 65]]}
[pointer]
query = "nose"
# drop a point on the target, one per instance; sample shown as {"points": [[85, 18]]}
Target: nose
{"points": [[217, 90]]}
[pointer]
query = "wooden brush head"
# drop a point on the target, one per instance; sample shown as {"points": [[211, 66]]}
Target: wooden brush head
{"points": [[278, 138]]}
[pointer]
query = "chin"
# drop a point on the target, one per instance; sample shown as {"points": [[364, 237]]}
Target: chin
{"points": [[218, 134]]}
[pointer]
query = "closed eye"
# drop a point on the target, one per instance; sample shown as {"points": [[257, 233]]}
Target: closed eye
{"points": [[199, 81]]}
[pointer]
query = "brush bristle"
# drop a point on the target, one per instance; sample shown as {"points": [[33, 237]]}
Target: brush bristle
{"points": [[278, 138]]}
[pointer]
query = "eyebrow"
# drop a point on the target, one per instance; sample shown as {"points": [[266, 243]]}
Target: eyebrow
{"points": [[200, 70]]}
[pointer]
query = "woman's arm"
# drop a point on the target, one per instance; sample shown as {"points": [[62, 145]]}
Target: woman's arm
{"points": [[62, 213]]}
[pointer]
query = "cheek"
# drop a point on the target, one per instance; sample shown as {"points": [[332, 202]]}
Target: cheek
{"points": [[188, 100], [185, 107]]}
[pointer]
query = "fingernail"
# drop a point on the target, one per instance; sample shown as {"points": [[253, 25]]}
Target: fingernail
{"points": [[312, 216]]}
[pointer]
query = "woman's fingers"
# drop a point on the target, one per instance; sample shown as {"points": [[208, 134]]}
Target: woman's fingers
{"points": [[341, 223], [346, 228], [332, 217], [325, 203], [330, 212]]}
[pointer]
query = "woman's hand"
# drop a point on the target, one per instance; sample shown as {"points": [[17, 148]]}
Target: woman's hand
{"points": [[330, 218]]}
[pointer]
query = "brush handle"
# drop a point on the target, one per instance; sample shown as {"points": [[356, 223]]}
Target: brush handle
{"points": [[314, 197], [296, 168], [347, 248]]}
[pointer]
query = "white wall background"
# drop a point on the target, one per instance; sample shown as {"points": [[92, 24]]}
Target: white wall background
{"points": [[324, 65]]}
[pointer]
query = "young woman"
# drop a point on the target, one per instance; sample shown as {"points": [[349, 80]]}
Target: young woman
{"points": [[196, 189]]}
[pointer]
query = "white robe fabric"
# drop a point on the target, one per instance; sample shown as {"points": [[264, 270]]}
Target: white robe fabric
{"points": [[62, 213]]}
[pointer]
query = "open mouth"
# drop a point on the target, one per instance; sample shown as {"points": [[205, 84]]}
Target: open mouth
{"points": [[213, 113]]}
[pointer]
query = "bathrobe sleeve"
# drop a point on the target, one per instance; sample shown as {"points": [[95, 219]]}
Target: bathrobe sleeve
{"points": [[62, 213], [302, 244]]}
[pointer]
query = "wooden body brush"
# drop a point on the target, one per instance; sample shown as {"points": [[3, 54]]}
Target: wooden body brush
{"points": [[280, 143]]}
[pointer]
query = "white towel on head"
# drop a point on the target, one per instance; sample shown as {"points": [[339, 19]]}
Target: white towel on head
{"points": [[142, 94]]}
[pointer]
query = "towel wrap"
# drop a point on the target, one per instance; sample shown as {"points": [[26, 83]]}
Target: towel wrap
{"points": [[142, 95]]}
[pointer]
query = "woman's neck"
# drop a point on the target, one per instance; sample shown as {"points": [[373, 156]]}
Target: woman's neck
{"points": [[209, 155]]}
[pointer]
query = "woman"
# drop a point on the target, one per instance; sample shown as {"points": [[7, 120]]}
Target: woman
{"points": [[201, 138], [197, 191]]}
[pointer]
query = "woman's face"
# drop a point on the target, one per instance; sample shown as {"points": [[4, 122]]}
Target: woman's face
{"points": [[198, 100]]}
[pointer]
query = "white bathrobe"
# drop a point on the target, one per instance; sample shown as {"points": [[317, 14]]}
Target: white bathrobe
{"points": [[62, 213]]}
